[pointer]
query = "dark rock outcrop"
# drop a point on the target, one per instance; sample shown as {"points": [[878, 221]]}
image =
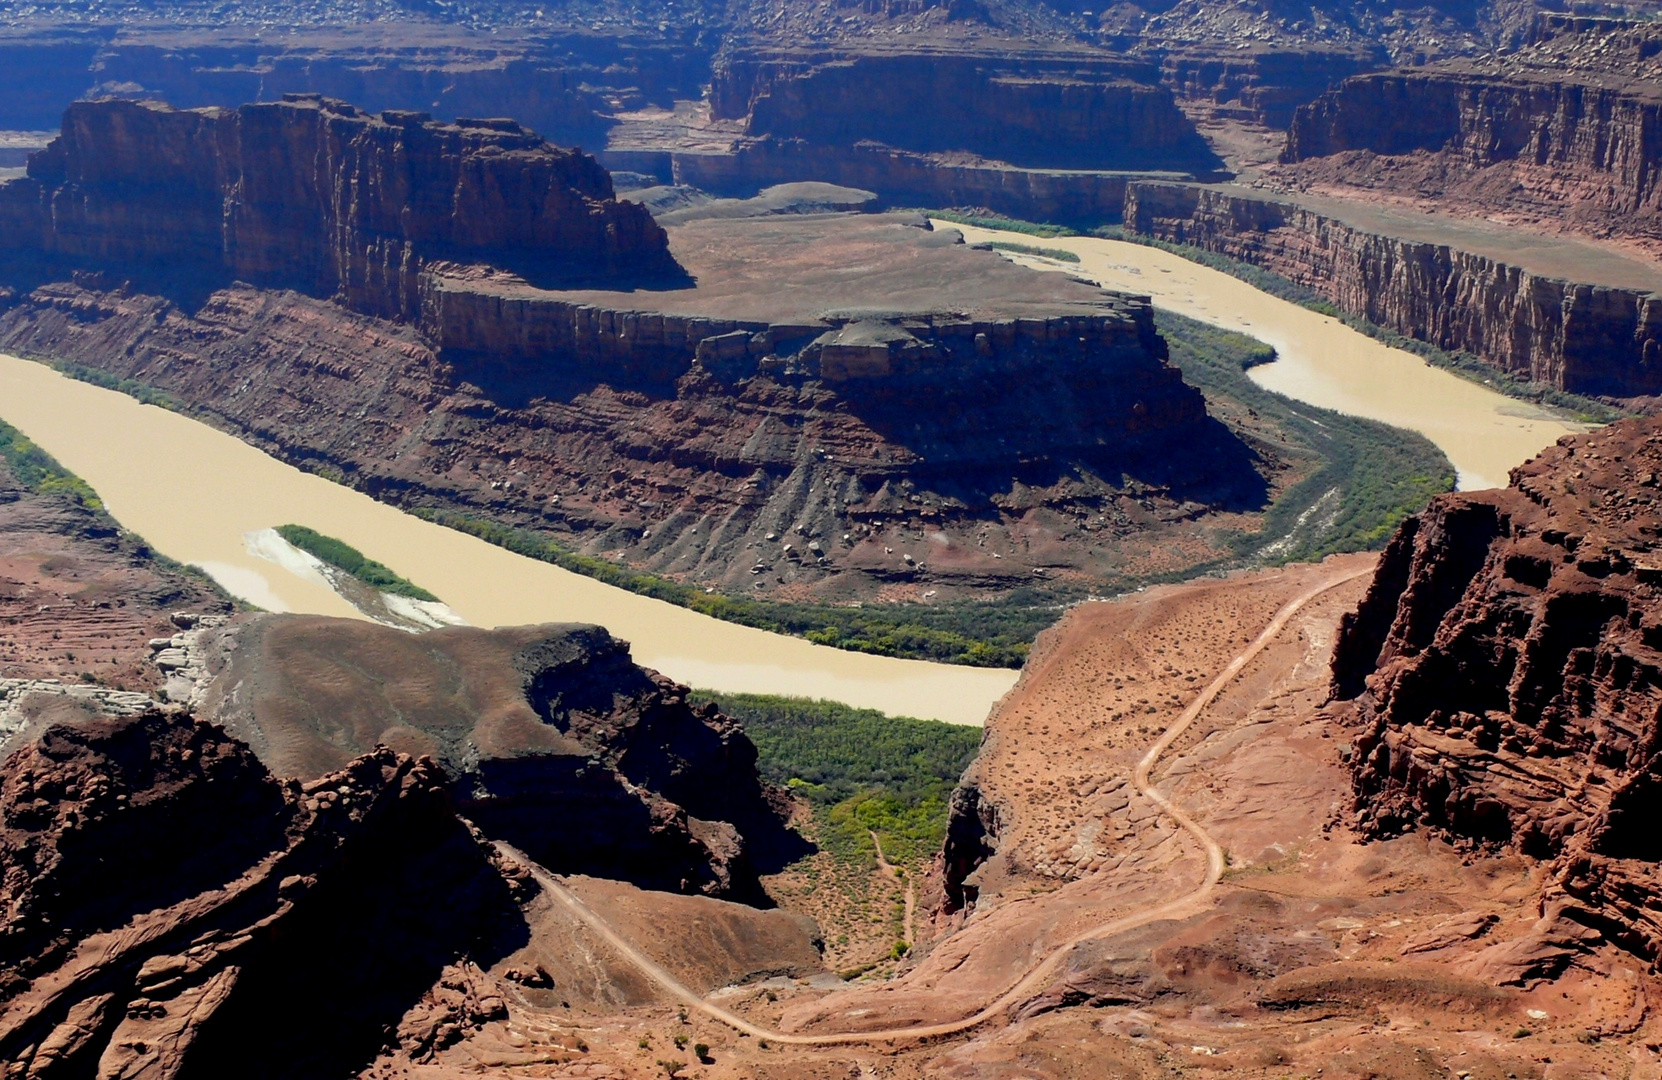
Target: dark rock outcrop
{"points": [[167, 904], [1588, 339], [548, 737], [1506, 667], [314, 195]]}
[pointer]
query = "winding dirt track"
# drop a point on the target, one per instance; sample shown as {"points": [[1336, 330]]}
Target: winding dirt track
{"points": [[1024, 988]]}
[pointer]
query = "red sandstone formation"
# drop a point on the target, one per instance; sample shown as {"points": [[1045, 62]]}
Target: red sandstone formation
{"points": [[689, 429], [167, 904], [1055, 108], [314, 195], [1561, 128], [1506, 668], [1588, 339]]}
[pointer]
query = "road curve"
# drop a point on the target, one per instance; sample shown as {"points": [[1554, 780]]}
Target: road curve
{"points": [[1036, 976]]}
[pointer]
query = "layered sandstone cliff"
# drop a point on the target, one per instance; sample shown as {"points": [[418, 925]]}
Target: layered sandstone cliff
{"points": [[1506, 672], [1588, 339], [1564, 126], [682, 429], [314, 195], [1070, 109]]}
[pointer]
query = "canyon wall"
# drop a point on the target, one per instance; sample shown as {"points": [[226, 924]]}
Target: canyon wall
{"points": [[1082, 110], [1588, 134], [1505, 672], [1563, 128], [314, 195], [1266, 83], [902, 177], [1584, 338]]}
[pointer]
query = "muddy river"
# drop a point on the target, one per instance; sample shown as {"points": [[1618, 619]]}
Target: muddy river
{"points": [[1321, 360], [203, 497]]}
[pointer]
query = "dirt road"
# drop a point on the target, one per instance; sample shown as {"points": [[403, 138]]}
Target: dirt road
{"points": [[1180, 907]]}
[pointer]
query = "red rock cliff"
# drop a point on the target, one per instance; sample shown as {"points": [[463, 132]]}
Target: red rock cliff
{"points": [[1588, 339], [314, 195], [1506, 668]]}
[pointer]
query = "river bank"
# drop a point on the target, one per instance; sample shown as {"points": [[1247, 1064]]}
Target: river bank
{"points": [[195, 493], [1320, 361]]}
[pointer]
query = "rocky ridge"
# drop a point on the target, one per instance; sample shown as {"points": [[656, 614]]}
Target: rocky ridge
{"points": [[80, 599], [547, 737], [167, 901], [1505, 672], [1588, 339]]}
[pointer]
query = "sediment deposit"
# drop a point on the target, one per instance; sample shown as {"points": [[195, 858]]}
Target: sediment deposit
{"points": [[1506, 673]]}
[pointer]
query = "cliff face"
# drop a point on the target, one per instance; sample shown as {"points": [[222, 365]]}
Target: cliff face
{"points": [[312, 194], [547, 737], [1583, 338], [1069, 111], [1264, 83], [1565, 125], [165, 903], [901, 177], [1506, 669]]}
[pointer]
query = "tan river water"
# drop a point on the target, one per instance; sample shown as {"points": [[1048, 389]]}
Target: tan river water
{"points": [[1321, 360], [194, 492]]}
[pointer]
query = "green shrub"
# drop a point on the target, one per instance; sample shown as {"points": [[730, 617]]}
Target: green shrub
{"points": [[1004, 224], [343, 556], [1059, 254], [861, 770], [40, 472]]}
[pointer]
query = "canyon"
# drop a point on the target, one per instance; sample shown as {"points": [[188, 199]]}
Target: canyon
{"points": [[1378, 815], [1592, 339], [684, 424]]}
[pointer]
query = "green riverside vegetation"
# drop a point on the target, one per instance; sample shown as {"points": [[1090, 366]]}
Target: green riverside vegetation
{"points": [[40, 472], [1370, 475], [991, 634], [1059, 254], [862, 771], [344, 557], [1003, 224]]}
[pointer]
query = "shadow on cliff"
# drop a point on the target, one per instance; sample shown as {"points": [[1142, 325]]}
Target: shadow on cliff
{"points": [[329, 983]]}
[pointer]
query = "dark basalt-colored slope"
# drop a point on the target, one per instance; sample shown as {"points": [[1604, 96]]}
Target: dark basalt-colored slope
{"points": [[549, 736], [167, 905], [1506, 668]]}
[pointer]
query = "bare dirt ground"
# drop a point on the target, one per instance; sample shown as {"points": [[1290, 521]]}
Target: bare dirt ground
{"points": [[1316, 957]]}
